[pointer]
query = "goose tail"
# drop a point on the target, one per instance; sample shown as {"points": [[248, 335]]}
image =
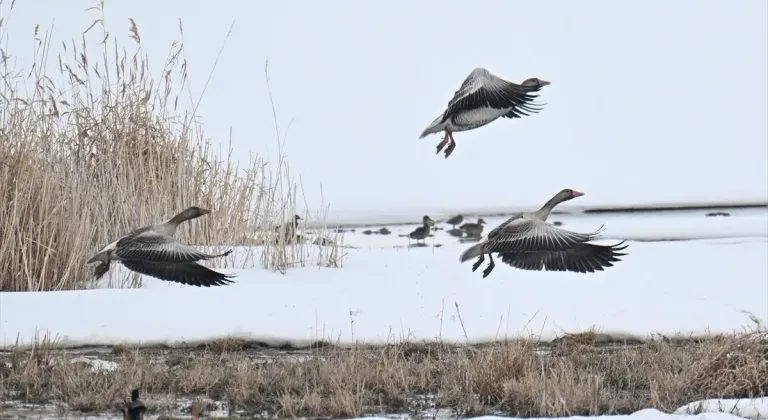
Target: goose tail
{"points": [[435, 127], [101, 256], [475, 250]]}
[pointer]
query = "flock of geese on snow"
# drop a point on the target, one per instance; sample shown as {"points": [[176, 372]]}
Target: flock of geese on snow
{"points": [[524, 241]]}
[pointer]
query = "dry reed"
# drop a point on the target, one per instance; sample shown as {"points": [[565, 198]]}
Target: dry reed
{"points": [[97, 147]]}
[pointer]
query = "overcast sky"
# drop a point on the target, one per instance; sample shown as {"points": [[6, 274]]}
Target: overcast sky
{"points": [[650, 100]]}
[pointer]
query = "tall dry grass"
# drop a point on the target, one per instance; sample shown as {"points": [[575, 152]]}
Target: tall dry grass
{"points": [[98, 147]]}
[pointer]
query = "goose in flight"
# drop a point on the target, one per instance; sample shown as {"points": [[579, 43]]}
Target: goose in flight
{"points": [[482, 99], [153, 251], [527, 242]]}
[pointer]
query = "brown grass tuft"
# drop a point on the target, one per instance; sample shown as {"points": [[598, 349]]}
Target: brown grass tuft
{"points": [[737, 369], [227, 344], [92, 146]]}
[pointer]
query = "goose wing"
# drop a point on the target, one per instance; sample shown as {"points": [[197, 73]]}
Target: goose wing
{"points": [[482, 89], [517, 112], [583, 258], [150, 245], [189, 273], [521, 234]]}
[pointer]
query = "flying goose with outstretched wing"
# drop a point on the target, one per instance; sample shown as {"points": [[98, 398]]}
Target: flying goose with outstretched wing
{"points": [[483, 98]]}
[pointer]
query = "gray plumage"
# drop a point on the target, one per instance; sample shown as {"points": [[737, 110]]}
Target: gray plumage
{"points": [[289, 229], [527, 242], [483, 98], [422, 232], [153, 251], [473, 229], [455, 220], [134, 410]]}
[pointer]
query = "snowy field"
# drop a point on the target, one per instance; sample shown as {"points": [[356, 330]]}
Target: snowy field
{"points": [[714, 282]]}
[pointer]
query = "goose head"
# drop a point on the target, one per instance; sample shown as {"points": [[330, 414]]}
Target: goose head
{"points": [[534, 83], [189, 213], [568, 194]]}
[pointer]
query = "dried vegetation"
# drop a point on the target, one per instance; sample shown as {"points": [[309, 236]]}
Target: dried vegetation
{"points": [[519, 378], [92, 146]]}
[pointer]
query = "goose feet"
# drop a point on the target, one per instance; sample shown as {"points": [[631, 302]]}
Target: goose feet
{"points": [[449, 149], [448, 139], [490, 267], [478, 262], [101, 269], [442, 143]]}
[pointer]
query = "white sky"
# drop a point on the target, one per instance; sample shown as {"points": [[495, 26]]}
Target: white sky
{"points": [[650, 100]]}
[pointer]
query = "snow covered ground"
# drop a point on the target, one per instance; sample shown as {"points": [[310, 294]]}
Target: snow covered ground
{"points": [[750, 408], [385, 294]]}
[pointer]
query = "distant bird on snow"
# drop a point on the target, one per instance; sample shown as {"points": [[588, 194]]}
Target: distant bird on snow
{"points": [[482, 99], [422, 232], [455, 220], [473, 229]]}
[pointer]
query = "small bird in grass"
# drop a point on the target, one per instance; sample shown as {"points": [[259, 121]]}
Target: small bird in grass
{"points": [[483, 98], [473, 229], [422, 232], [289, 228], [526, 241], [134, 410], [153, 251]]}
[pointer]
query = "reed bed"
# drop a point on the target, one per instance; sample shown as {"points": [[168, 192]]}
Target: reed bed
{"points": [[93, 146]]}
